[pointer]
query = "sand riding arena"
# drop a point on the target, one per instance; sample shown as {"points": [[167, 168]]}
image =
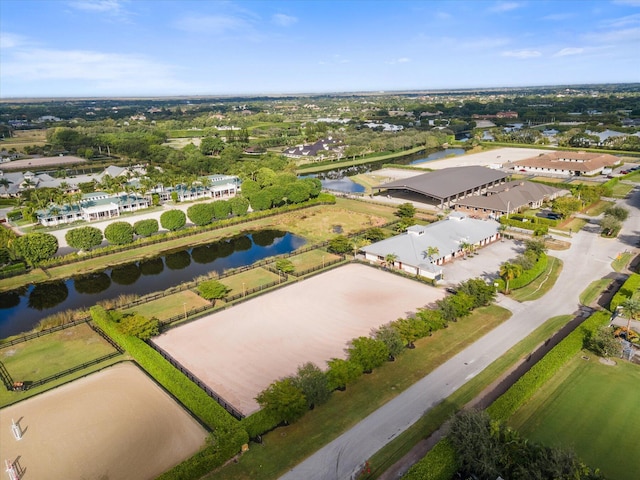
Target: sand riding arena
{"points": [[116, 424], [238, 352]]}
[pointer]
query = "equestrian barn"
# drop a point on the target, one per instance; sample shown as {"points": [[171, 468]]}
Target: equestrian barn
{"points": [[445, 187]]}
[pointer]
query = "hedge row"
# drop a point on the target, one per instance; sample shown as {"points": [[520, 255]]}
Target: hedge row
{"points": [[527, 276], [540, 229], [534, 219], [259, 423], [16, 267], [228, 435], [440, 463], [631, 285], [521, 391]]}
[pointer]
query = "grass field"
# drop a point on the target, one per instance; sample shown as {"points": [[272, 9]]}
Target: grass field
{"points": [[541, 285], [22, 138], [311, 259], [592, 408], [621, 190], [50, 354], [597, 208], [286, 446], [594, 290], [254, 278], [169, 306], [621, 261]]}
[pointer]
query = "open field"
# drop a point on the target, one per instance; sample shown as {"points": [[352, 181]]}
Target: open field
{"points": [[240, 351], [22, 138], [171, 305], [621, 190], [597, 208], [248, 280], [593, 409], [311, 259], [115, 424]]}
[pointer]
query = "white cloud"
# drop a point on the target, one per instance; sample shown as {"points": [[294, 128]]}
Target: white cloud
{"points": [[395, 61], [558, 17], [114, 7], [11, 40], [283, 20], [622, 21], [212, 24], [522, 53], [569, 51], [505, 6]]}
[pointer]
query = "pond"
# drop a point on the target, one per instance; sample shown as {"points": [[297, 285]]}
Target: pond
{"points": [[21, 310], [338, 180]]}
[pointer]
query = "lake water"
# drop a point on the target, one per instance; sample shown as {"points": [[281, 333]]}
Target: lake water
{"points": [[338, 180], [21, 310]]}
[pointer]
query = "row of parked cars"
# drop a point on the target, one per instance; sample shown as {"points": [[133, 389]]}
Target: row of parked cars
{"points": [[633, 169]]}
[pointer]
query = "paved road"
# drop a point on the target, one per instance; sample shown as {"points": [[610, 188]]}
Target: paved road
{"points": [[589, 258]]}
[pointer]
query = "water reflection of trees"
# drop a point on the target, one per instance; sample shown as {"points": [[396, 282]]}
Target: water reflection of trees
{"points": [[12, 299], [48, 295], [241, 244], [265, 238], [155, 266], [92, 283], [126, 274], [177, 260], [204, 254]]}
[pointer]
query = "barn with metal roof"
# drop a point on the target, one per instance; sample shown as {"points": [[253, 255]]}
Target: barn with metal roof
{"points": [[448, 185]]}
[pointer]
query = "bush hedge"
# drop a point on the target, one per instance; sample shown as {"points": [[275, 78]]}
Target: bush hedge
{"points": [[228, 435], [632, 284], [440, 463], [530, 382], [536, 227], [527, 276], [16, 267], [259, 423]]}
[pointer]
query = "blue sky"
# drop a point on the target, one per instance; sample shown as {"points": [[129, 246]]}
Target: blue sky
{"points": [[98, 48]]}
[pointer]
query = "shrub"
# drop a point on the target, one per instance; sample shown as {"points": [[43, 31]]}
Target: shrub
{"points": [[239, 205], [342, 372], [84, 238], [212, 290], [260, 422], [146, 228], [368, 352], [313, 383], [221, 209], [173, 220], [631, 285], [119, 233], [391, 338], [440, 463], [285, 265], [200, 213], [284, 400], [36, 247], [340, 244]]}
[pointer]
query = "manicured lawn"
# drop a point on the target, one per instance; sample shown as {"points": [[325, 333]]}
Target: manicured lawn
{"points": [[592, 408], [311, 259], [573, 224], [254, 278], [541, 285], [621, 190], [50, 354], [287, 446], [597, 208], [593, 291], [171, 305], [621, 261]]}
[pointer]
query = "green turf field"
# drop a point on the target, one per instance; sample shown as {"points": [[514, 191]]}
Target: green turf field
{"points": [[592, 408]]}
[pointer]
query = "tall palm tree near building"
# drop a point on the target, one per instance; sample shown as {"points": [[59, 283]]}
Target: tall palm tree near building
{"points": [[390, 259], [631, 309], [358, 243], [466, 248], [432, 252], [509, 271]]}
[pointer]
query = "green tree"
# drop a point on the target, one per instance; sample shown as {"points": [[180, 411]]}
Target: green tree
{"points": [[212, 290], [538, 247], [390, 259], [565, 206], [261, 200], [411, 329], [619, 213], [84, 238], [173, 220], [36, 247], [604, 343], [200, 213], [239, 206], [221, 209], [405, 210], [391, 338], [285, 265], [631, 310], [340, 244], [374, 234], [119, 233], [313, 383], [211, 145], [146, 228], [297, 192], [482, 293], [509, 271], [315, 186], [284, 400], [250, 187], [342, 372], [610, 225], [432, 252], [455, 306], [368, 352]]}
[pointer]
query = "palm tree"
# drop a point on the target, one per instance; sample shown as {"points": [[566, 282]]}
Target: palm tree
{"points": [[466, 248], [390, 259], [431, 252], [509, 271], [358, 243], [631, 308]]}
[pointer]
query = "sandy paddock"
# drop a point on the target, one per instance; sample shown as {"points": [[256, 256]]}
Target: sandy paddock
{"points": [[115, 424], [238, 352]]}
